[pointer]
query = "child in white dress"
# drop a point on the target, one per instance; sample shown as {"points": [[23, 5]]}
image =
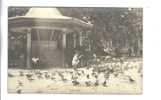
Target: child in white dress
{"points": [[76, 59]]}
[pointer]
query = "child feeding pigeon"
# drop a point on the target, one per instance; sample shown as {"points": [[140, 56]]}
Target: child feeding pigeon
{"points": [[76, 60]]}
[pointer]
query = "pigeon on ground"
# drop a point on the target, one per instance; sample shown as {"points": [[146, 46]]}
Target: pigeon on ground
{"points": [[88, 83], [31, 79], [19, 91], [79, 74], [21, 73], [39, 76], [107, 75], [74, 77], [96, 76], [20, 83], [47, 76], [83, 72], [75, 83], [10, 75], [96, 83], [38, 73], [104, 83], [29, 75], [88, 76], [53, 78], [116, 74], [131, 80], [63, 78]]}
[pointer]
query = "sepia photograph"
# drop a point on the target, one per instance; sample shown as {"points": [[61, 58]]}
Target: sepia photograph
{"points": [[75, 50]]}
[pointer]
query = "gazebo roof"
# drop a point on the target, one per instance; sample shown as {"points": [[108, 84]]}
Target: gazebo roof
{"points": [[50, 13], [46, 18]]}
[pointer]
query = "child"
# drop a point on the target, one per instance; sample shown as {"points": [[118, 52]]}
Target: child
{"points": [[76, 60], [35, 62]]}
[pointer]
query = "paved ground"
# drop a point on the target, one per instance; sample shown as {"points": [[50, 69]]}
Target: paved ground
{"points": [[109, 77]]}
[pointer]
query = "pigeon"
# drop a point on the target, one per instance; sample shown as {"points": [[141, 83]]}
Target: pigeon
{"points": [[63, 78], [74, 77], [88, 76], [75, 83], [83, 72], [60, 74], [88, 83], [111, 70], [96, 76], [47, 76], [10, 75], [29, 75], [31, 79], [21, 73], [107, 57], [20, 83], [38, 73], [104, 83], [39, 76], [52, 78], [116, 74], [93, 73], [19, 91], [141, 75], [107, 75], [131, 80], [71, 72], [96, 83], [79, 74]]}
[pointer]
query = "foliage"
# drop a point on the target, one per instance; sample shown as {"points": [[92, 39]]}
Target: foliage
{"points": [[112, 27]]}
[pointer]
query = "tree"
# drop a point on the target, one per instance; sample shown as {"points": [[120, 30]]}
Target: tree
{"points": [[120, 27]]}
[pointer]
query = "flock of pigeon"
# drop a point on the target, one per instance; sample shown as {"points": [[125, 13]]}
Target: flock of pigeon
{"points": [[96, 75]]}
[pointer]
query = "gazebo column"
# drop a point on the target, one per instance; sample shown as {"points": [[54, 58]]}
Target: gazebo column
{"points": [[64, 47], [89, 35], [75, 41], [64, 40], [28, 48], [80, 38]]}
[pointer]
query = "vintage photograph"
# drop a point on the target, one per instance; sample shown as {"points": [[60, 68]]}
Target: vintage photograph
{"points": [[76, 50]]}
